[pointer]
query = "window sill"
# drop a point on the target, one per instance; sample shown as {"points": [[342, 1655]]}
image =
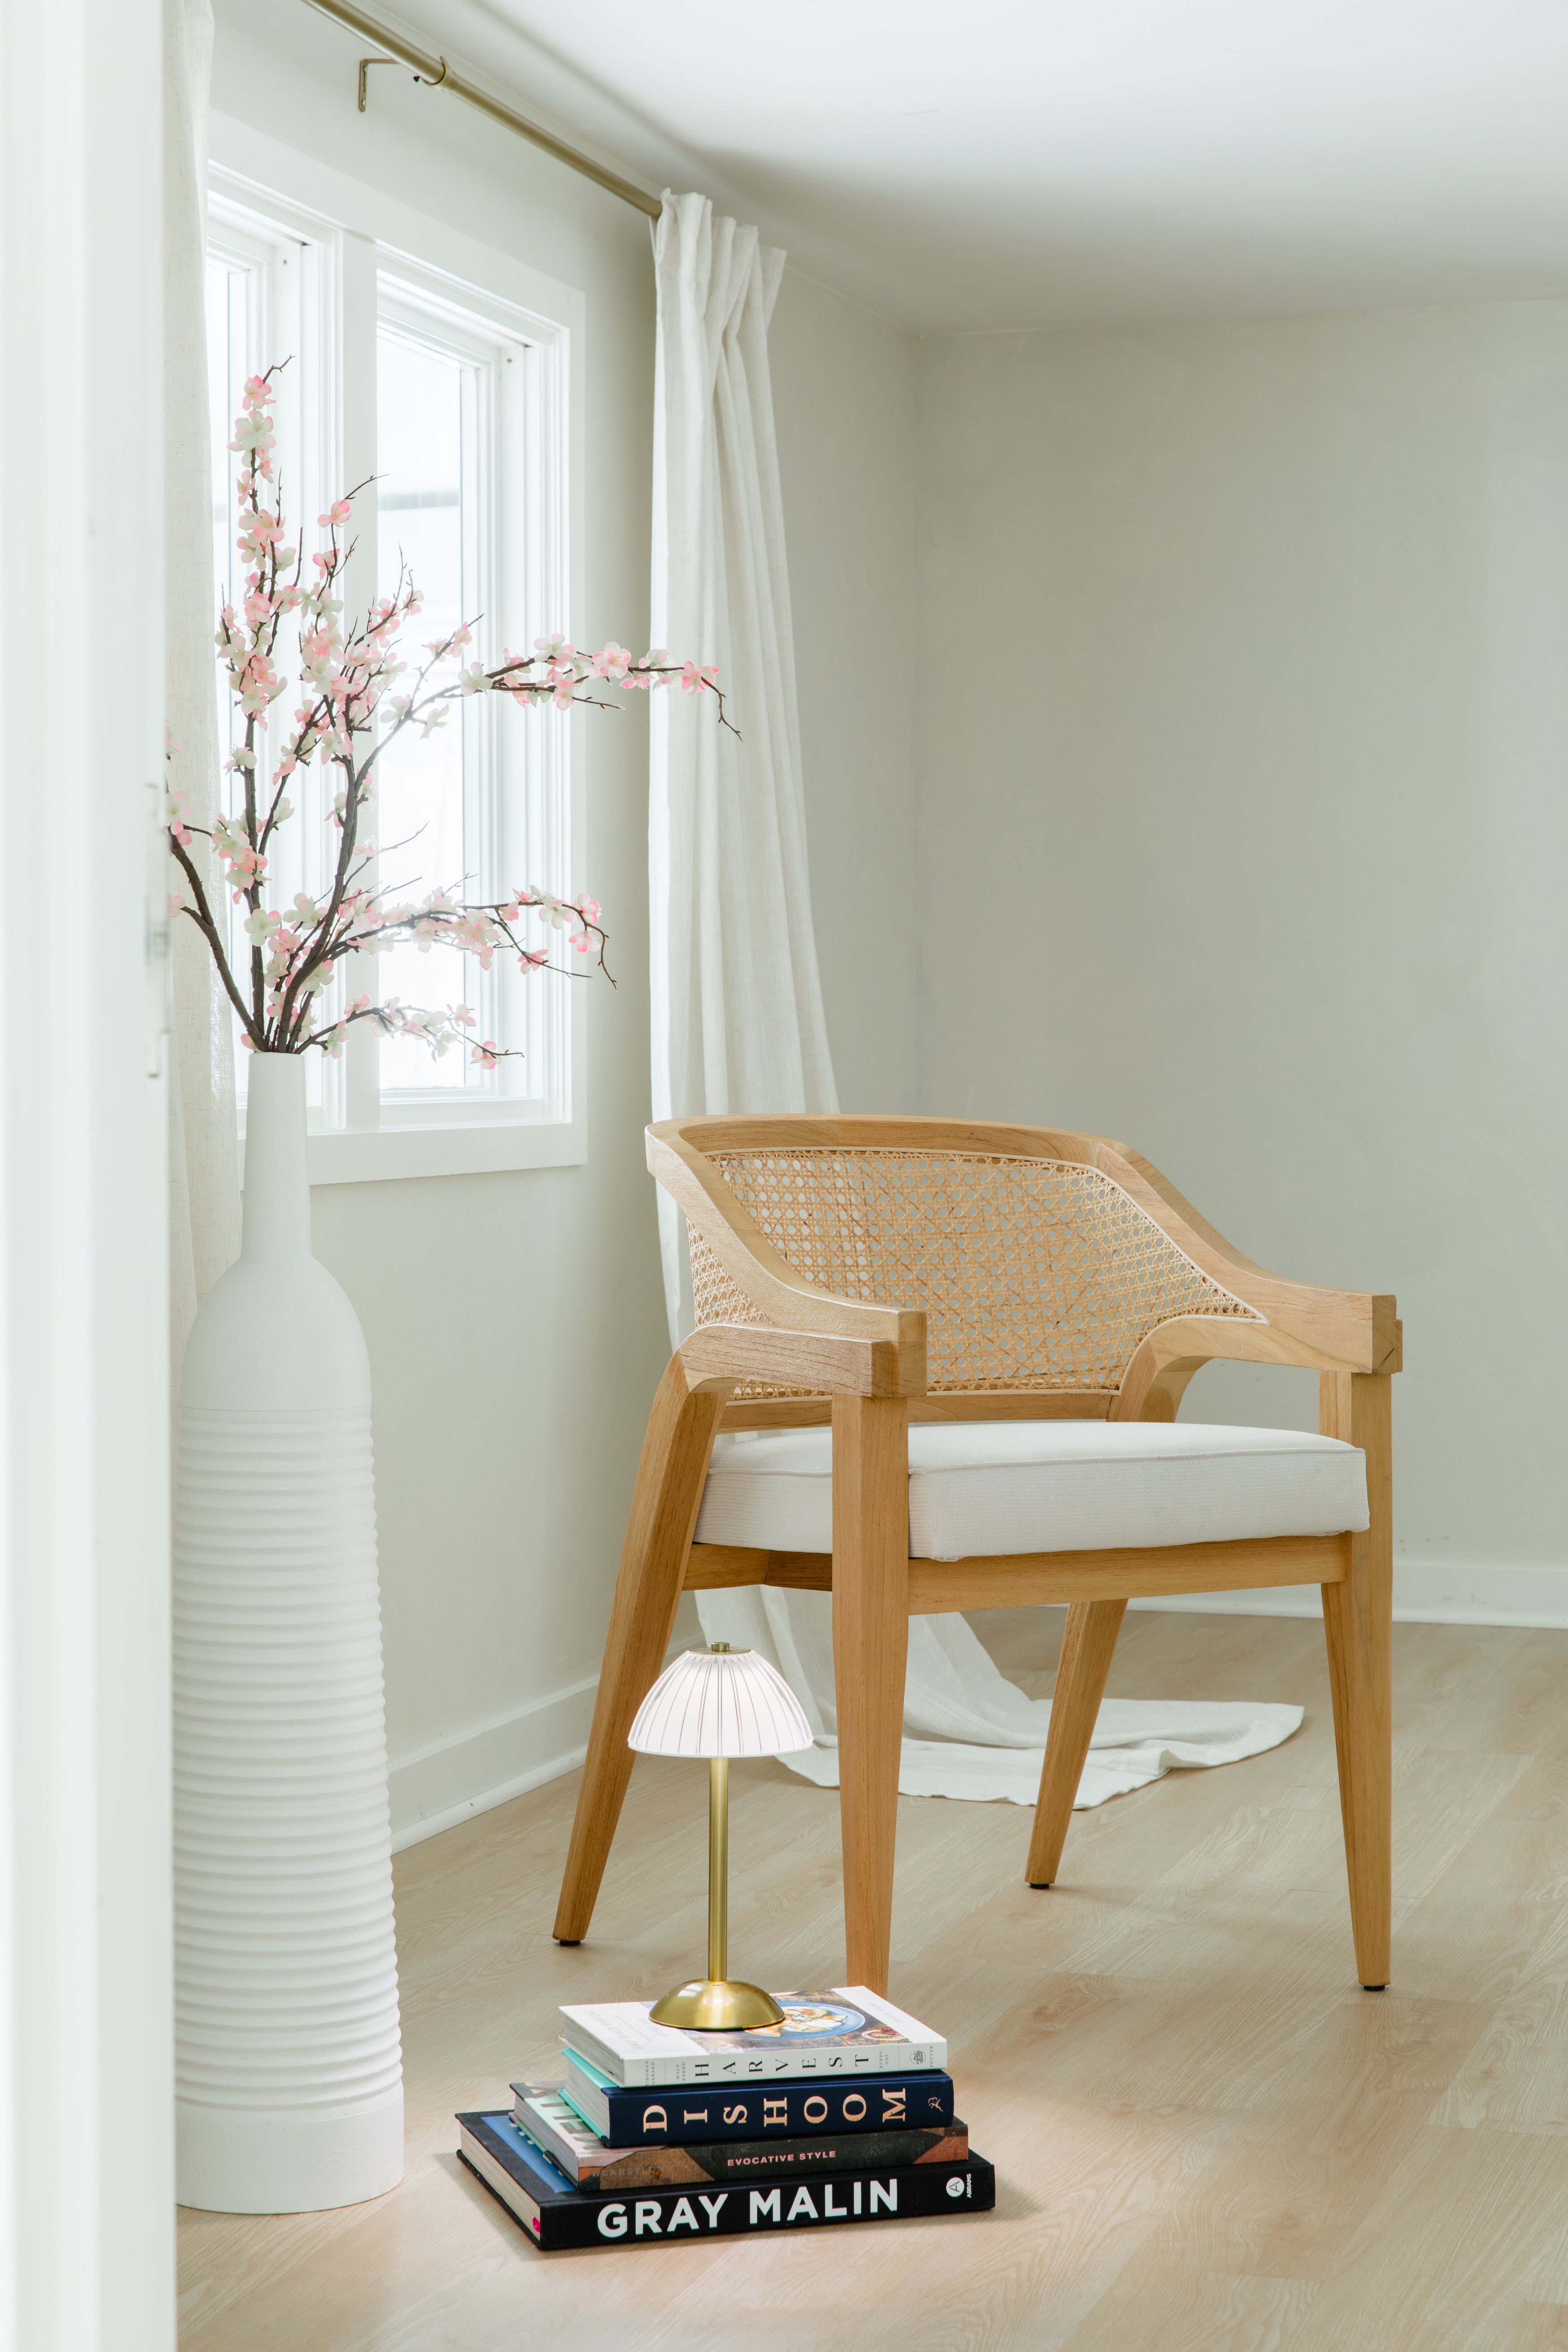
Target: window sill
{"points": [[374, 1155]]}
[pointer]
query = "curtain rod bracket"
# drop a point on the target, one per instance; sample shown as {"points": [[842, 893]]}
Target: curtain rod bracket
{"points": [[364, 66], [438, 74]]}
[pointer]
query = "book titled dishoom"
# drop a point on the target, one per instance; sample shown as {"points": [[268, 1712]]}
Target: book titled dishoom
{"points": [[847, 2030], [790, 2104]]}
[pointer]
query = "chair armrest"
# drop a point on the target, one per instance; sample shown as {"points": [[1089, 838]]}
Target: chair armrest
{"points": [[786, 1298], [724, 1354], [1302, 1323], [1157, 1376]]}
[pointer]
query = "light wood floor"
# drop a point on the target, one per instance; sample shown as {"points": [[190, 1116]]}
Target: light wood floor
{"points": [[1207, 2138]]}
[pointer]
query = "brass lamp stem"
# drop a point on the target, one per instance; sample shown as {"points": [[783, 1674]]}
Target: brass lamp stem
{"points": [[717, 2006], [718, 1868]]}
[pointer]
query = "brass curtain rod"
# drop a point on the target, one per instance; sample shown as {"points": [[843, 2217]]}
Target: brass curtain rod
{"points": [[440, 75]]}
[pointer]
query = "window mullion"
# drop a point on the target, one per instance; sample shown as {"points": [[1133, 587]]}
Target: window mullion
{"points": [[357, 368]]}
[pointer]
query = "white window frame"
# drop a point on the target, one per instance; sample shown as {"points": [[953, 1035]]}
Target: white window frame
{"points": [[358, 243]]}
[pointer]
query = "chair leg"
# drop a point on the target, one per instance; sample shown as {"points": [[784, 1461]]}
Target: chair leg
{"points": [[1088, 1647], [1358, 1622], [665, 1504], [870, 1650]]}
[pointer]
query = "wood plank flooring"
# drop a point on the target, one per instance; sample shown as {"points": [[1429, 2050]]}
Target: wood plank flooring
{"points": [[1207, 2138]]}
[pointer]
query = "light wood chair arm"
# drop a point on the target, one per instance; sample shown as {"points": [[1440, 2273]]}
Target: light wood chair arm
{"points": [[789, 1301], [821, 1361], [1154, 1381], [1302, 1323]]}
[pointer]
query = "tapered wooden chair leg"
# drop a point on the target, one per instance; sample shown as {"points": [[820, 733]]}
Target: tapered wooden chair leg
{"points": [[870, 1649], [665, 1504], [1088, 1647], [1358, 1623]]}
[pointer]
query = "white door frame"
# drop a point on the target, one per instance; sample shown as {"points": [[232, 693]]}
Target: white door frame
{"points": [[86, 2145]]}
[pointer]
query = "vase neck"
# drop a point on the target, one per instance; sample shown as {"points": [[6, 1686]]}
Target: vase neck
{"points": [[276, 1184]]}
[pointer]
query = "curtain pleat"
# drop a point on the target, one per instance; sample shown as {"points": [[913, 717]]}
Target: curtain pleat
{"points": [[737, 1003], [203, 1158]]}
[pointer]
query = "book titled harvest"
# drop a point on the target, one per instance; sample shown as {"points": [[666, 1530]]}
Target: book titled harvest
{"points": [[847, 2030], [583, 2157], [844, 2103], [554, 2215]]}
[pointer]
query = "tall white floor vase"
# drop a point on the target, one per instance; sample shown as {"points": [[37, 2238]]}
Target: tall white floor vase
{"points": [[289, 2077]]}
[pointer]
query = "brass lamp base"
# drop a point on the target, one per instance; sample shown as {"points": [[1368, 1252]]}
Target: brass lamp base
{"points": [[716, 2005]]}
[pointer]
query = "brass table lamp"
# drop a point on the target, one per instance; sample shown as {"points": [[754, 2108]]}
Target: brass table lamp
{"points": [[718, 1703]]}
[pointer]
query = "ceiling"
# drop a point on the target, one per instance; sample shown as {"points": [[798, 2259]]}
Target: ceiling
{"points": [[1048, 162]]}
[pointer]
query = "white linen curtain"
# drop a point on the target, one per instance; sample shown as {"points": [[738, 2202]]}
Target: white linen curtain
{"points": [[737, 1005], [203, 1158], [737, 1022]]}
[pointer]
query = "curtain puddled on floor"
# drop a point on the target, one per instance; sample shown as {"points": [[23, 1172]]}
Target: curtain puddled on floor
{"points": [[737, 1004], [204, 1159]]}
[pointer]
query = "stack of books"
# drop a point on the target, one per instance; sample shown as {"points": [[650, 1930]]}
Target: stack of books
{"points": [[843, 2113]]}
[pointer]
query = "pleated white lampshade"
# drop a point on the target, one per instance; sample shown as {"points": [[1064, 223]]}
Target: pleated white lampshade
{"points": [[719, 1703]]}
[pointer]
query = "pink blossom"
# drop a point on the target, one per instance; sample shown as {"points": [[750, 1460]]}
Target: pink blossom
{"points": [[346, 675], [695, 680], [646, 672]]}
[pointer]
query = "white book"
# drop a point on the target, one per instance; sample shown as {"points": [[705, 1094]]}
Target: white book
{"points": [[850, 2031]]}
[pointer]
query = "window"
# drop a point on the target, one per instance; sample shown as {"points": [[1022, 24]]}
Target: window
{"points": [[453, 395]]}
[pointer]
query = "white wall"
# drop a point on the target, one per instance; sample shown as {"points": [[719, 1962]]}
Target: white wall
{"points": [[1243, 832], [845, 387], [516, 1322]]}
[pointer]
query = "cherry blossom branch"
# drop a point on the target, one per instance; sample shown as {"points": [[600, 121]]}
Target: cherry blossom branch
{"points": [[349, 714], [200, 915]]}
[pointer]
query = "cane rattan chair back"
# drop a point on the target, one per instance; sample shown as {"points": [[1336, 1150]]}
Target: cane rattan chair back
{"points": [[1036, 1275]]}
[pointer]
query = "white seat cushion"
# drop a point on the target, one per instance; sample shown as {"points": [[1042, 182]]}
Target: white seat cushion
{"points": [[986, 1487]]}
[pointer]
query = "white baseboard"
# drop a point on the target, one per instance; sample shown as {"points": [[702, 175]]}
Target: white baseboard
{"points": [[440, 1786], [447, 1783], [1426, 1593]]}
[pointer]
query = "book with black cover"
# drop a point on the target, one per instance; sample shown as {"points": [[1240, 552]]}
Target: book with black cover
{"points": [[554, 2215], [548, 2120], [755, 2110]]}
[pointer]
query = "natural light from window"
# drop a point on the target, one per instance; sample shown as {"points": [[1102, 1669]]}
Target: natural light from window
{"points": [[422, 468]]}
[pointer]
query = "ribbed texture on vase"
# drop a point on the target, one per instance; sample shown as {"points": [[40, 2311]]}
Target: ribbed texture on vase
{"points": [[286, 1964]]}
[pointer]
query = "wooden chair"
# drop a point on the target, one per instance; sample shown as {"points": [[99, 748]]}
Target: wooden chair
{"points": [[876, 1272]]}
